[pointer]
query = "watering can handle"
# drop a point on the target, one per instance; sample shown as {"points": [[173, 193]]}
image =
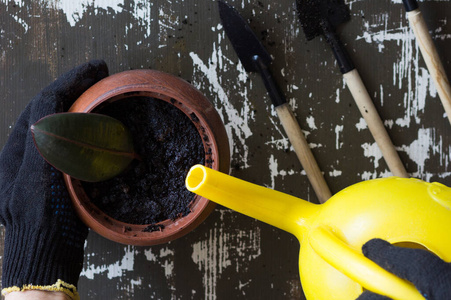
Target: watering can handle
{"points": [[358, 267]]}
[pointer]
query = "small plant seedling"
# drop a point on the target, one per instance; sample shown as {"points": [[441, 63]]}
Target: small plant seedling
{"points": [[87, 146]]}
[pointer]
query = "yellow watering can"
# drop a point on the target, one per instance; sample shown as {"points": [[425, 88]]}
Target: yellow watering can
{"points": [[405, 212]]}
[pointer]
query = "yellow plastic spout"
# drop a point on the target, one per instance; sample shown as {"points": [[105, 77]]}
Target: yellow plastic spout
{"points": [[275, 208]]}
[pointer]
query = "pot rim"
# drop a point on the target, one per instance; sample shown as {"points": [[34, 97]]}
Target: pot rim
{"points": [[184, 96]]}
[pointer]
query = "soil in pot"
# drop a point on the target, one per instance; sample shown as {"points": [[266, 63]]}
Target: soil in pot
{"points": [[152, 189]]}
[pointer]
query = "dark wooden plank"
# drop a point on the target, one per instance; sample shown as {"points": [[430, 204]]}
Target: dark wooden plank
{"points": [[231, 256]]}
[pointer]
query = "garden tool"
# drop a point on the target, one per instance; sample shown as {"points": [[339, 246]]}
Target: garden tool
{"points": [[403, 211], [429, 53], [255, 58], [320, 17]]}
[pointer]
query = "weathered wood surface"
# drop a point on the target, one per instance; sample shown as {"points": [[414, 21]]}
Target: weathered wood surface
{"points": [[231, 256]]}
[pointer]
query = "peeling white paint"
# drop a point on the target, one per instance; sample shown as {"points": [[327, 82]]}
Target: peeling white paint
{"points": [[165, 259], [275, 172], [338, 132], [167, 23], [405, 69], [22, 22], [236, 119], [337, 98], [311, 122], [361, 125], [335, 173], [427, 145], [113, 270], [420, 149], [367, 175], [278, 144], [408, 76], [75, 9], [372, 151], [217, 253]]}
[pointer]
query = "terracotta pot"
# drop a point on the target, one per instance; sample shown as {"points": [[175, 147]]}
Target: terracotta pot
{"points": [[159, 85]]}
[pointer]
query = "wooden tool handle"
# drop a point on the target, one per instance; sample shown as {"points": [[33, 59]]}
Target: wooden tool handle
{"points": [[303, 151], [377, 129], [430, 56]]}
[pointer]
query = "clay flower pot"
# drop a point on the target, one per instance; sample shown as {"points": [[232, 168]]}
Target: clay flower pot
{"points": [[157, 85]]}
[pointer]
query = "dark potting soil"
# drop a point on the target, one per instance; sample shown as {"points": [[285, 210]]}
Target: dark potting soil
{"points": [[153, 188]]}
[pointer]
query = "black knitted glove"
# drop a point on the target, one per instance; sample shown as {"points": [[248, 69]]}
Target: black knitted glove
{"points": [[430, 274], [44, 239]]}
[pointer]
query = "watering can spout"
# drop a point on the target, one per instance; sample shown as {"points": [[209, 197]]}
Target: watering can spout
{"points": [[275, 208]]}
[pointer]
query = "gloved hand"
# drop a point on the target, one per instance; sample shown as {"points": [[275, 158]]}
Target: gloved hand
{"points": [[430, 274], [44, 239]]}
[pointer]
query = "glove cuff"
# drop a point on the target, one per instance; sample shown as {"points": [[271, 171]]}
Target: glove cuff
{"points": [[40, 259]]}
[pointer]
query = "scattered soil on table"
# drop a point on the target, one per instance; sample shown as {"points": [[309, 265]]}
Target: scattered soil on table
{"points": [[151, 189]]}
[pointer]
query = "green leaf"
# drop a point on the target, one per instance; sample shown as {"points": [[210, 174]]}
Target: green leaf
{"points": [[89, 147]]}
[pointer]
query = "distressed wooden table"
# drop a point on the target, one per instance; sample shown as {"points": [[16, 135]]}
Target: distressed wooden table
{"points": [[231, 256]]}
